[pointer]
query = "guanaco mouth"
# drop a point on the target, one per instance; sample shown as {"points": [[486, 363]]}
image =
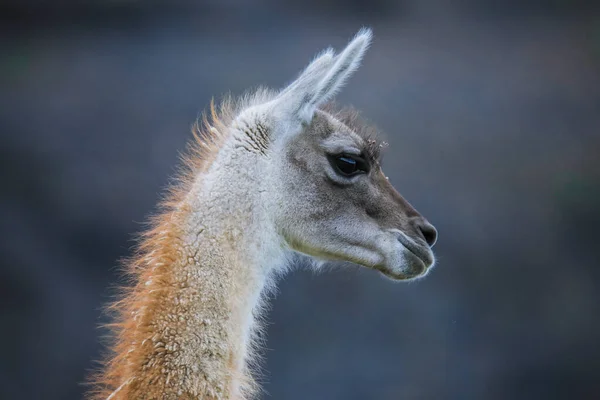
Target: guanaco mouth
{"points": [[420, 252]]}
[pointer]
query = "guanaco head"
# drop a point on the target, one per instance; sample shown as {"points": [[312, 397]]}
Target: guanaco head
{"points": [[333, 201]]}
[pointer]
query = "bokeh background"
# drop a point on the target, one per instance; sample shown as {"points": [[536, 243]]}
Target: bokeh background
{"points": [[492, 112]]}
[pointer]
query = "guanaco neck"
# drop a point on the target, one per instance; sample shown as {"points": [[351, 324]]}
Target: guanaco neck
{"points": [[189, 335]]}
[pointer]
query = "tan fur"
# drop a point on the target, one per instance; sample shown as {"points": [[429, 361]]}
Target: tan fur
{"points": [[156, 310]]}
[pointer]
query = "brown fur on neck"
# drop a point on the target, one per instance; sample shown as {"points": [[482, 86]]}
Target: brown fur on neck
{"points": [[150, 274]]}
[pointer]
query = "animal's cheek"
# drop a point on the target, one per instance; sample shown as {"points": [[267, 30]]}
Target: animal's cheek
{"points": [[376, 207]]}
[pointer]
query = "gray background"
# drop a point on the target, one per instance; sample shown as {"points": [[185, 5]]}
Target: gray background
{"points": [[492, 112]]}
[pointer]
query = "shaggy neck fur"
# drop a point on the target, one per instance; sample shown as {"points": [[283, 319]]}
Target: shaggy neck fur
{"points": [[186, 329]]}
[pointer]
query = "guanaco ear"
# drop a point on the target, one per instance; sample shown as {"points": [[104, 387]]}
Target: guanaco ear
{"points": [[320, 81]]}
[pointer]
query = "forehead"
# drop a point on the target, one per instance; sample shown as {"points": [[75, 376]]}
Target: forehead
{"points": [[341, 138], [344, 131]]}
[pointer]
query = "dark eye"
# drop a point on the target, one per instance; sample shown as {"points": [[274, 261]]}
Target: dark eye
{"points": [[349, 165]]}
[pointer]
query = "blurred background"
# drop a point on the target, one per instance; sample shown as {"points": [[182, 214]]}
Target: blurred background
{"points": [[492, 112]]}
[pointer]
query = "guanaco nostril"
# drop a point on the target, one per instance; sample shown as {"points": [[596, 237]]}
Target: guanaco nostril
{"points": [[428, 231]]}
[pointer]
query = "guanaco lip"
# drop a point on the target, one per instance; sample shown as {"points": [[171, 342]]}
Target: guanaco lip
{"points": [[420, 252]]}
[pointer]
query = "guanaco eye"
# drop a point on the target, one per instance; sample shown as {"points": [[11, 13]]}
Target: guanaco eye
{"points": [[349, 165]]}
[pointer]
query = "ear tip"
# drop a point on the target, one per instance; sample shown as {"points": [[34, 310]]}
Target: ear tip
{"points": [[360, 42], [327, 53], [364, 34], [365, 31]]}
